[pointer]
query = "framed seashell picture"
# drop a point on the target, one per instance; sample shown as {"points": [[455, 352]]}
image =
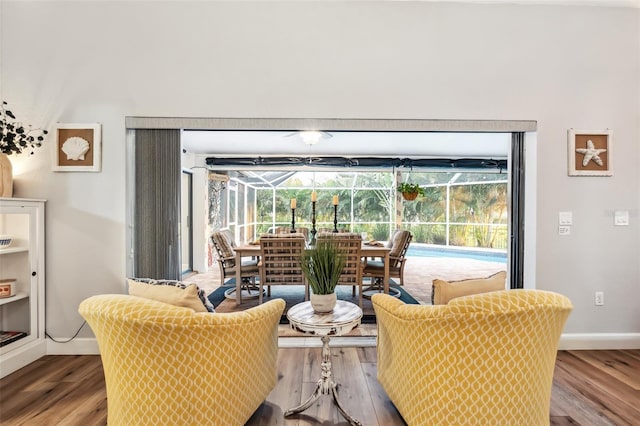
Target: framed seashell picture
{"points": [[78, 148], [590, 152]]}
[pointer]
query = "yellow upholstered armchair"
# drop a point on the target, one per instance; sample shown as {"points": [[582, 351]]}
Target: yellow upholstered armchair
{"points": [[168, 365], [485, 359]]}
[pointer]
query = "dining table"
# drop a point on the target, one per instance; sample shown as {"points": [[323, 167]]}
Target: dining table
{"points": [[366, 251]]}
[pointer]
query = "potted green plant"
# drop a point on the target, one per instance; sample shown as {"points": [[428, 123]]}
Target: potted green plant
{"points": [[410, 191], [322, 266], [14, 138]]}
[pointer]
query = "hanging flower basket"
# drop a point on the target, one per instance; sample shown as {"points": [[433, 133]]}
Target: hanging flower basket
{"points": [[410, 191], [409, 196]]}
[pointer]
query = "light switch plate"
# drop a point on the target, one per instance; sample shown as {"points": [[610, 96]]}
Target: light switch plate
{"points": [[621, 218], [565, 218]]}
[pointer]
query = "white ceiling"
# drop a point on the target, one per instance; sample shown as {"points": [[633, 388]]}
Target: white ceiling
{"points": [[381, 144]]}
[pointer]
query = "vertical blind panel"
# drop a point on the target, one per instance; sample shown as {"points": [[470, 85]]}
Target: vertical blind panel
{"points": [[517, 211], [157, 204]]}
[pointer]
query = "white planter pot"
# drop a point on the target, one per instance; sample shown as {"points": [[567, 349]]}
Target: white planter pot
{"points": [[323, 303]]}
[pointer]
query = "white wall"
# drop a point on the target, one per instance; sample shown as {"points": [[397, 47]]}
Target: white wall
{"points": [[564, 66]]}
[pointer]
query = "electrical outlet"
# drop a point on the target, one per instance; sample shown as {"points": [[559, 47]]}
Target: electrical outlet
{"points": [[599, 298]]}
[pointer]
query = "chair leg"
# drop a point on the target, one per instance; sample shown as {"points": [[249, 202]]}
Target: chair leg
{"points": [[377, 286]]}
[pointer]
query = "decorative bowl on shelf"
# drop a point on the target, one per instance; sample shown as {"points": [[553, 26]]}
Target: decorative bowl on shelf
{"points": [[5, 241], [7, 287]]}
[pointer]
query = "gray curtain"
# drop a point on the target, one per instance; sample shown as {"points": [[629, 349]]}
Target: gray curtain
{"points": [[156, 232], [517, 210]]}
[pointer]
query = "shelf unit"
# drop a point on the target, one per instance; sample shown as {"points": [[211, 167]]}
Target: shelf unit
{"points": [[23, 261]]}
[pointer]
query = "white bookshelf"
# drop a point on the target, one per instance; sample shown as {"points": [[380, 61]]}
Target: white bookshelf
{"points": [[23, 261]]}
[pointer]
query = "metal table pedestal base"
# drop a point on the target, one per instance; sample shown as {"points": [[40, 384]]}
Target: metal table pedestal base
{"points": [[326, 386]]}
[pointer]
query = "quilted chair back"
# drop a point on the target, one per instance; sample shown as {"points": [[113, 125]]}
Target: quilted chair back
{"points": [[168, 365], [485, 359], [399, 245], [225, 248]]}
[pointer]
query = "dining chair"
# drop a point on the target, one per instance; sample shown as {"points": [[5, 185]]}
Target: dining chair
{"points": [[280, 261], [350, 244], [374, 269], [224, 244]]}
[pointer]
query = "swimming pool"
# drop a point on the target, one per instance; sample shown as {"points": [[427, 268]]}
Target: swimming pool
{"points": [[416, 250]]}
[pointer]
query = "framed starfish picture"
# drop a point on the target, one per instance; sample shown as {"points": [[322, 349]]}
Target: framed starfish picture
{"points": [[590, 152]]}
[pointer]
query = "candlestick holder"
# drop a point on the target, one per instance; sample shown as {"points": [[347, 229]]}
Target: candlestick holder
{"points": [[293, 221], [313, 223], [335, 218]]}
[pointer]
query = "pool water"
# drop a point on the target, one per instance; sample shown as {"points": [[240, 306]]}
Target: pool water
{"points": [[428, 251]]}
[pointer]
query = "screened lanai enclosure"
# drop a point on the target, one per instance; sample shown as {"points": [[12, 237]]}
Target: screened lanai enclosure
{"points": [[247, 174], [458, 208]]}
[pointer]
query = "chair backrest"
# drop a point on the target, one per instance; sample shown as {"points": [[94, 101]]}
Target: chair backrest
{"points": [[488, 357], [340, 230], [168, 365], [224, 244], [287, 230], [280, 259], [399, 246], [349, 244]]}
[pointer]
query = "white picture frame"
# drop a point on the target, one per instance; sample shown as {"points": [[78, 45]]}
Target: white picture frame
{"points": [[78, 148], [589, 152]]}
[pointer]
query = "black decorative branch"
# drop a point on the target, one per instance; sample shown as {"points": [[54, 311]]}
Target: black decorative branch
{"points": [[15, 137]]}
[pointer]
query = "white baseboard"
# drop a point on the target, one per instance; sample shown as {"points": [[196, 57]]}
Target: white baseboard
{"points": [[77, 346], [24, 355], [568, 341], [89, 346], [594, 341]]}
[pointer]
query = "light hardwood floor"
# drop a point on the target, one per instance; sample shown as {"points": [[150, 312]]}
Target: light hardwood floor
{"points": [[591, 388]]}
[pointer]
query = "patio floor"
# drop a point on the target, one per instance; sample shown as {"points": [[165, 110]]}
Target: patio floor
{"points": [[419, 273]]}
